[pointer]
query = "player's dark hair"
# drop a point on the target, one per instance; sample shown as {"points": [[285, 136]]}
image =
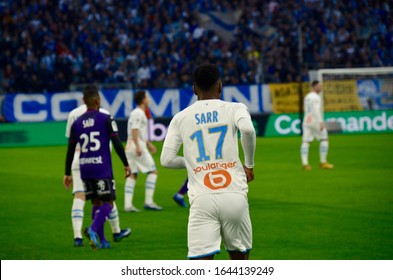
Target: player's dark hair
{"points": [[139, 96], [206, 76], [314, 83], [90, 92]]}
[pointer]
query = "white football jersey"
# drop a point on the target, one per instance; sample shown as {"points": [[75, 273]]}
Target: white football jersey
{"points": [[74, 114], [138, 120], [209, 134], [312, 109]]}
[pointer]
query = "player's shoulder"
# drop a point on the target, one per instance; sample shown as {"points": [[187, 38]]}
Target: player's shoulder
{"points": [[234, 106], [78, 111], [184, 114], [102, 110], [311, 95], [137, 112], [104, 115]]}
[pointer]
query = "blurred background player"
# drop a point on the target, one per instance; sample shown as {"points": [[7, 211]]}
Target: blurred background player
{"points": [[77, 211], [179, 196], [139, 156], [217, 186], [314, 127], [93, 131]]}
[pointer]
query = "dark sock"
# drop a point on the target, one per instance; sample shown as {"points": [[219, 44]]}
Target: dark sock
{"points": [[100, 217], [100, 233], [93, 212], [184, 188]]}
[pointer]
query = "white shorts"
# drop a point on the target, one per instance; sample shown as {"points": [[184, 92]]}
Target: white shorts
{"points": [[144, 163], [311, 132], [77, 184], [215, 216]]}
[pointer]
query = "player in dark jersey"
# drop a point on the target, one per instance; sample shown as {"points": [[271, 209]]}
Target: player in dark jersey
{"points": [[93, 131]]}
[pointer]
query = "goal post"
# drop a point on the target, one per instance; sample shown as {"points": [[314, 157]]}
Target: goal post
{"points": [[355, 89]]}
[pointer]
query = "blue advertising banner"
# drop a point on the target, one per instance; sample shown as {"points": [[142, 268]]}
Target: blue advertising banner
{"points": [[163, 102]]}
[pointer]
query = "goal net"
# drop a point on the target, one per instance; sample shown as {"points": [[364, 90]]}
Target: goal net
{"points": [[355, 89]]}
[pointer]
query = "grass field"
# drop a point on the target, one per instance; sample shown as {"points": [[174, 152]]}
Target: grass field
{"points": [[344, 213]]}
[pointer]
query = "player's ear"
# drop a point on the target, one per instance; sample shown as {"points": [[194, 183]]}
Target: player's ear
{"points": [[98, 101], [194, 89], [219, 88]]}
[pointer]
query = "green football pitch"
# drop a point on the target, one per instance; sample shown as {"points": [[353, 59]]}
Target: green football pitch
{"points": [[340, 214]]}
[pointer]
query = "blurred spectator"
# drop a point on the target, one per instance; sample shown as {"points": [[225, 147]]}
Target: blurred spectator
{"points": [[46, 45], [143, 75]]}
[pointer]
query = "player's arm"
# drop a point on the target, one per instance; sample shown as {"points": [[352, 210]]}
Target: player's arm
{"points": [[248, 140], [170, 149], [152, 148], [67, 180], [316, 107], [136, 122], [135, 138], [114, 136]]}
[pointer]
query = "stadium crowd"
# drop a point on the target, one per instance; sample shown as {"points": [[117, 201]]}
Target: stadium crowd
{"points": [[47, 45]]}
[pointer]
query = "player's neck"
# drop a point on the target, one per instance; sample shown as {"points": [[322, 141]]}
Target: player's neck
{"points": [[207, 96], [142, 106], [92, 108]]}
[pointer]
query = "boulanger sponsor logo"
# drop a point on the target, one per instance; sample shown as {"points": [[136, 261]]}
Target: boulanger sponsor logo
{"points": [[215, 165], [219, 179]]}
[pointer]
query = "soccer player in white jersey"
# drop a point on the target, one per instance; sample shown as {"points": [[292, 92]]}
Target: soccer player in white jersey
{"points": [[314, 127], [77, 211], [139, 156], [217, 187]]}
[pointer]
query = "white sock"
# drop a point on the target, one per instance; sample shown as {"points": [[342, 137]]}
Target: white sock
{"points": [[129, 192], [77, 215], [113, 219], [150, 186], [323, 150], [304, 152]]}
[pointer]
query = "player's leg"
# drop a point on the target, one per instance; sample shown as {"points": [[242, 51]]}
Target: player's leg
{"points": [[114, 222], [307, 138], [150, 187], [129, 193], [103, 196], [204, 227], [77, 215], [235, 255], [146, 164], [323, 150], [104, 242], [96, 203], [236, 226], [304, 155], [129, 187], [179, 196], [78, 205]]}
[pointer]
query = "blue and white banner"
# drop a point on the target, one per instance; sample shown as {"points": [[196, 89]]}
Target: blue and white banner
{"points": [[223, 23], [163, 102], [376, 94]]}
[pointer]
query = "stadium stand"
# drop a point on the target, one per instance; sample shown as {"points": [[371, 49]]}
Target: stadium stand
{"points": [[47, 45]]}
